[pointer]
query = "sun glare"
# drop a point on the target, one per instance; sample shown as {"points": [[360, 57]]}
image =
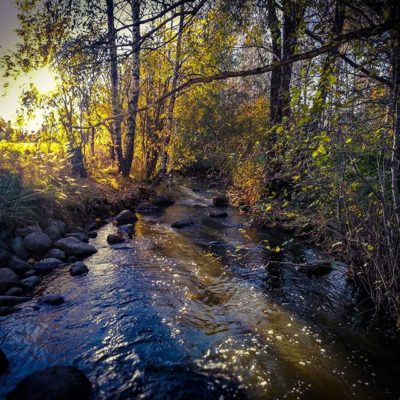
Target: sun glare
{"points": [[44, 80]]}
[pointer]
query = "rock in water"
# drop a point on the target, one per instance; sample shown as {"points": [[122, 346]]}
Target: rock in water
{"points": [[92, 234], [3, 362], [318, 267], [79, 235], [125, 217], [78, 268], [52, 299], [163, 201], [56, 253], [37, 242], [31, 282], [221, 201], [8, 279], [218, 214], [182, 223], [126, 230], [146, 208], [74, 247], [55, 383], [47, 265], [114, 239]]}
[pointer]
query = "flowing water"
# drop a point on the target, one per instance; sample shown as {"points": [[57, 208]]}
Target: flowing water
{"points": [[197, 313]]}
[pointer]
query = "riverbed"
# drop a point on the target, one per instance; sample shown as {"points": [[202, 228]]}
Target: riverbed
{"points": [[201, 313]]}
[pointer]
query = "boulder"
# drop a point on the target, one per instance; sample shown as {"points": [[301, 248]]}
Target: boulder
{"points": [[182, 223], [162, 201], [147, 208], [220, 201], [56, 253], [27, 230], [125, 217], [31, 282], [75, 247], [79, 235], [92, 234], [218, 214], [47, 265], [3, 362], [126, 229], [18, 248], [51, 299], [54, 383], [12, 300], [19, 266], [78, 268], [114, 239], [8, 279], [37, 242], [14, 291]]}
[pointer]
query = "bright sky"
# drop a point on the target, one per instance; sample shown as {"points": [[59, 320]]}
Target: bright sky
{"points": [[42, 78]]}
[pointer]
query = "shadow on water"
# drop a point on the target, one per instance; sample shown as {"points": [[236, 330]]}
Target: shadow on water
{"points": [[195, 314]]}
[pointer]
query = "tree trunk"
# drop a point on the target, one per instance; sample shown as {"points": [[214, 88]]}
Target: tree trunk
{"points": [[170, 116], [116, 107], [134, 90]]}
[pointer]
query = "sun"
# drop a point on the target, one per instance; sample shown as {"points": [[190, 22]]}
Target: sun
{"points": [[44, 80]]}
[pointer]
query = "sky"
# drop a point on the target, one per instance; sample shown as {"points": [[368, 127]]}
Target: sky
{"points": [[42, 78]]}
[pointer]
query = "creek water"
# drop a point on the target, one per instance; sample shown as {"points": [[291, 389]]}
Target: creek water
{"points": [[198, 313]]}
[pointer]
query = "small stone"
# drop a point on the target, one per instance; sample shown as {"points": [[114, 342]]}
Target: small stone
{"points": [[4, 363], [56, 253], [114, 239], [54, 383], [51, 299], [78, 268], [47, 265], [31, 282], [79, 235], [125, 217], [92, 234]]}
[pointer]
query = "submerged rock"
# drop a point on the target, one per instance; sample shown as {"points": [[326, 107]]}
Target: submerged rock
{"points": [[218, 214], [54, 383], [3, 362], [92, 234], [148, 208], [78, 268], [162, 201], [125, 217], [37, 242], [316, 267], [112, 238], [220, 201], [47, 265], [31, 282], [8, 279], [182, 223], [51, 299], [75, 247]]}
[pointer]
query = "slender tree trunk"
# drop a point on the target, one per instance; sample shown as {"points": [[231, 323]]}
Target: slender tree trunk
{"points": [[171, 106], [116, 107], [134, 91]]}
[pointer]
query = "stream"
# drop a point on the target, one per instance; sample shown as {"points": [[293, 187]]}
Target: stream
{"points": [[196, 313]]}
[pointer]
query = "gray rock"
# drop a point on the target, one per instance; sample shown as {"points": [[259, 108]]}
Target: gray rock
{"points": [[125, 217], [114, 239], [218, 214], [221, 201], [18, 248], [54, 383], [37, 242], [79, 235], [74, 247], [56, 253], [162, 201], [19, 266], [8, 279], [78, 268], [14, 291], [31, 282], [3, 362], [12, 300], [126, 229], [147, 208], [26, 230], [182, 223], [51, 299], [92, 234], [47, 265]]}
